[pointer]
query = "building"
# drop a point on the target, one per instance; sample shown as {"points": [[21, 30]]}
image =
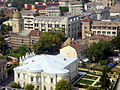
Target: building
{"points": [[74, 48], [115, 10], [65, 3], [108, 3], [94, 5], [86, 27], [107, 28], [17, 22], [3, 70], [53, 11], [19, 36], [76, 8], [44, 71], [28, 16], [69, 24], [26, 37]]}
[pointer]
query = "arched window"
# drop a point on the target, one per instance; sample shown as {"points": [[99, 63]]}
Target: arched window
{"points": [[44, 87], [51, 88], [85, 29]]}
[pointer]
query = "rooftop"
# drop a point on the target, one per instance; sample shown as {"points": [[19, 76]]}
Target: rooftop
{"points": [[51, 64], [115, 8]]}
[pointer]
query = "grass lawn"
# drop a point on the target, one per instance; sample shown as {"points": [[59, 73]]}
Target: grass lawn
{"points": [[88, 82], [90, 77], [98, 83], [81, 86]]}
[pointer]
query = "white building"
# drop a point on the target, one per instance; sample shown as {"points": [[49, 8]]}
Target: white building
{"points": [[43, 71], [69, 24]]}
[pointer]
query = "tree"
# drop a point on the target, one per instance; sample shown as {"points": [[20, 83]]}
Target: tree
{"points": [[29, 87], [10, 69], [49, 42], [3, 46], [116, 42], [99, 51], [104, 80], [63, 85], [15, 85]]}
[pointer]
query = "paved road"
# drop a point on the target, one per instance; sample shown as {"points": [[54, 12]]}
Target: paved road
{"points": [[8, 80]]}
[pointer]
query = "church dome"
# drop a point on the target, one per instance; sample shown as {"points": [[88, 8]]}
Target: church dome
{"points": [[16, 15]]}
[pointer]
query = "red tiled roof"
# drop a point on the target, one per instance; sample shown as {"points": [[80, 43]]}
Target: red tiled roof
{"points": [[86, 19], [35, 33]]}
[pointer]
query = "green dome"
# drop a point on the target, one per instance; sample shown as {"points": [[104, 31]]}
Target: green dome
{"points": [[17, 15]]}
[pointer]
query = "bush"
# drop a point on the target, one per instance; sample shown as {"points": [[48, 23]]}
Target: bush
{"points": [[15, 85], [104, 62], [29, 87]]}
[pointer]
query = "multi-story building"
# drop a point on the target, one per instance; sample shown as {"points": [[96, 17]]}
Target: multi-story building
{"points": [[3, 70], [76, 8], [28, 16], [19, 36], [105, 28], [46, 70], [108, 3], [69, 24], [115, 10], [26, 37], [53, 11]]}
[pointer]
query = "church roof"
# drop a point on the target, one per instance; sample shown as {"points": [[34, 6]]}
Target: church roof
{"points": [[86, 19], [17, 15]]}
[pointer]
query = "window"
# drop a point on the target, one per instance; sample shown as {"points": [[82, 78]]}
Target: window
{"points": [[113, 32], [49, 25], [23, 76], [22, 41], [51, 80], [103, 32], [44, 87], [99, 32], [31, 79], [108, 32], [24, 84], [56, 26], [51, 88], [37, 87], [18, 75], [37, 79], [44, 79], [85, 28]]}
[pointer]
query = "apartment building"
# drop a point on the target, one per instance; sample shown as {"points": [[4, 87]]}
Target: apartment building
{"points": [[76, 8], [28, 16], [108, 3], [3, 70], [46, 70], [53, 11], [107, 28], [69, 24]]}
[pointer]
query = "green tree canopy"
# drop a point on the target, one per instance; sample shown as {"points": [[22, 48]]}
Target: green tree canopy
{"points": [[99, 51], [49, 41], [3, 46], [21, 51], [29, 87], [104, 80], [15, 85], [116, 41], [63, 85]]}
